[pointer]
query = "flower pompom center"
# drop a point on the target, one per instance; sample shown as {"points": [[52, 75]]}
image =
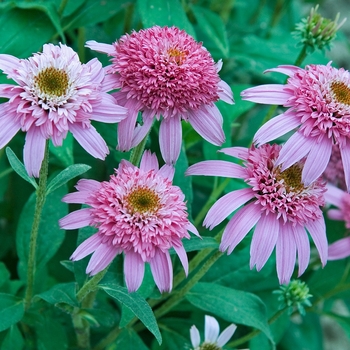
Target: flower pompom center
{"points": [[142, 200], [177, 55], [341, 92], [51, 82], [292, 178]]}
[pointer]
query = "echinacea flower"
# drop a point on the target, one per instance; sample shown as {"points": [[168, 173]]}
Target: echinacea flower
{"points": [[276, 202], [138, 212], [55, 94], [318, 102], [163, 71], [212, 339], [341, 200]]}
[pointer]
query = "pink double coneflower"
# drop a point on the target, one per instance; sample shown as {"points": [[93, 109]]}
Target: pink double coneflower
{"points": [[55, 93], [137, 212], [276, 203], [318, 102], [164, 72]]}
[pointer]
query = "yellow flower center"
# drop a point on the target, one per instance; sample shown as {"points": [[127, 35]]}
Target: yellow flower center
{"points": [[341, 92], [52, 81], [209, 346], [143, 200], [178, 55], [292, 178]]}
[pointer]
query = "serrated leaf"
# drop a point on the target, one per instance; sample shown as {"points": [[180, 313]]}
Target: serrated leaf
{"points": [[232, 305], [19, 168], [11, 310], [136, 304], [164, 13], [66, 175], [61, 293]]}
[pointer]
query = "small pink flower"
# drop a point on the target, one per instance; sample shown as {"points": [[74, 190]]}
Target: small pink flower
{"points": [[340, 199], [138, 212], [318, 102], [276, 202], [55, 94], [165, 72]]}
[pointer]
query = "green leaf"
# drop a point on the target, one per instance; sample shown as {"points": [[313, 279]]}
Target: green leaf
{"points": [[196, 243], [164, 13], [18, 167], [4, 274], [213, 29], [13, 339], [128, 340], [11, 310], [50, 235], [136, 304], [62, 155], [65, 175], [343, 321], [231, 305], [61, 293]]}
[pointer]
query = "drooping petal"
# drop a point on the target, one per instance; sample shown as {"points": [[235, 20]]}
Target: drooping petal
{"points": [[303, 247], [87, 185], [149, 161], [237, 152], [134, 270], [226, 335], [264, 240], [211, 329], [284, 69], [101, 258], [217, 168], [276, 127], [334, 195], [162, 271], [87, 247], [170, 138], [79, 197], [239, 226], [339, 249], [285, 253], [190, 227], [108, 110], [76, 219], [317, 230], [225, 92], [317, 161], [90, 140], [335, 214], [167, 171], [345, 157], [9, 126], [195, 336], [141, 131], [9, 64], [181, 252], [274, 94], [34, 151], [226, 205], [99, 47]]}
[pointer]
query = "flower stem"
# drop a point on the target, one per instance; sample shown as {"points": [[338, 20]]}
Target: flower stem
{"points": [[137, 152], [82, 330], [39, 204], [90, 285]]}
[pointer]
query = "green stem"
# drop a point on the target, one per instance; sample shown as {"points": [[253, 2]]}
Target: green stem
{"points": [[39, 204], [91, 285], [137, 152], [62, 7], [82, 330], [113, 335]]}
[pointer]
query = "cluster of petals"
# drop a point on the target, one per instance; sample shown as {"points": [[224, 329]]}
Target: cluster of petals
{"points": [[341, 201], [164, 72], [212, 338], [138, 212], [318, 106], [55, 93], [276, 203]]}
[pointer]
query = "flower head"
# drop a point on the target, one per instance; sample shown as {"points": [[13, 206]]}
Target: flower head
{"points": [[276, 202], [138, 212], [55, 94], [163, 71], [318, 101], [212, 339]]}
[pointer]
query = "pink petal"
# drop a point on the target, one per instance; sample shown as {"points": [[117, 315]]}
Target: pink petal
{"points": [[134, 270], [96, 70], [217, 168], [87, 247], [170, 139], [88, 185], [208, 123], [225, 92], [190, 227], [101, 258], [76, 219], [345, 157], [195, 336], [226, 205], [264, 240], [76, 197], [9, 127], [317, 230], [90, 140], [110, 82], [335, 214], [273, 94], [8, 91], [317, 161], [167, 172], [149, 161], [303, 247], [239, 226], [285, 253], [141, 131], [9, 64], [339, 249], [181, 252], [334, 195], [211, 329], [34, 151], [162, 271], [297, 147], [226, 335], [284, 69], [276, 127], [99, 47], [237, 152], [126, 127], [108, 111]]}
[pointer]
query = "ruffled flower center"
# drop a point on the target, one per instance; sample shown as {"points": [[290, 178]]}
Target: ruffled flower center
{"points": [[209, 346], [291, 178], [341, 92], [177, 55], [142, 200], [52, 82]]}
